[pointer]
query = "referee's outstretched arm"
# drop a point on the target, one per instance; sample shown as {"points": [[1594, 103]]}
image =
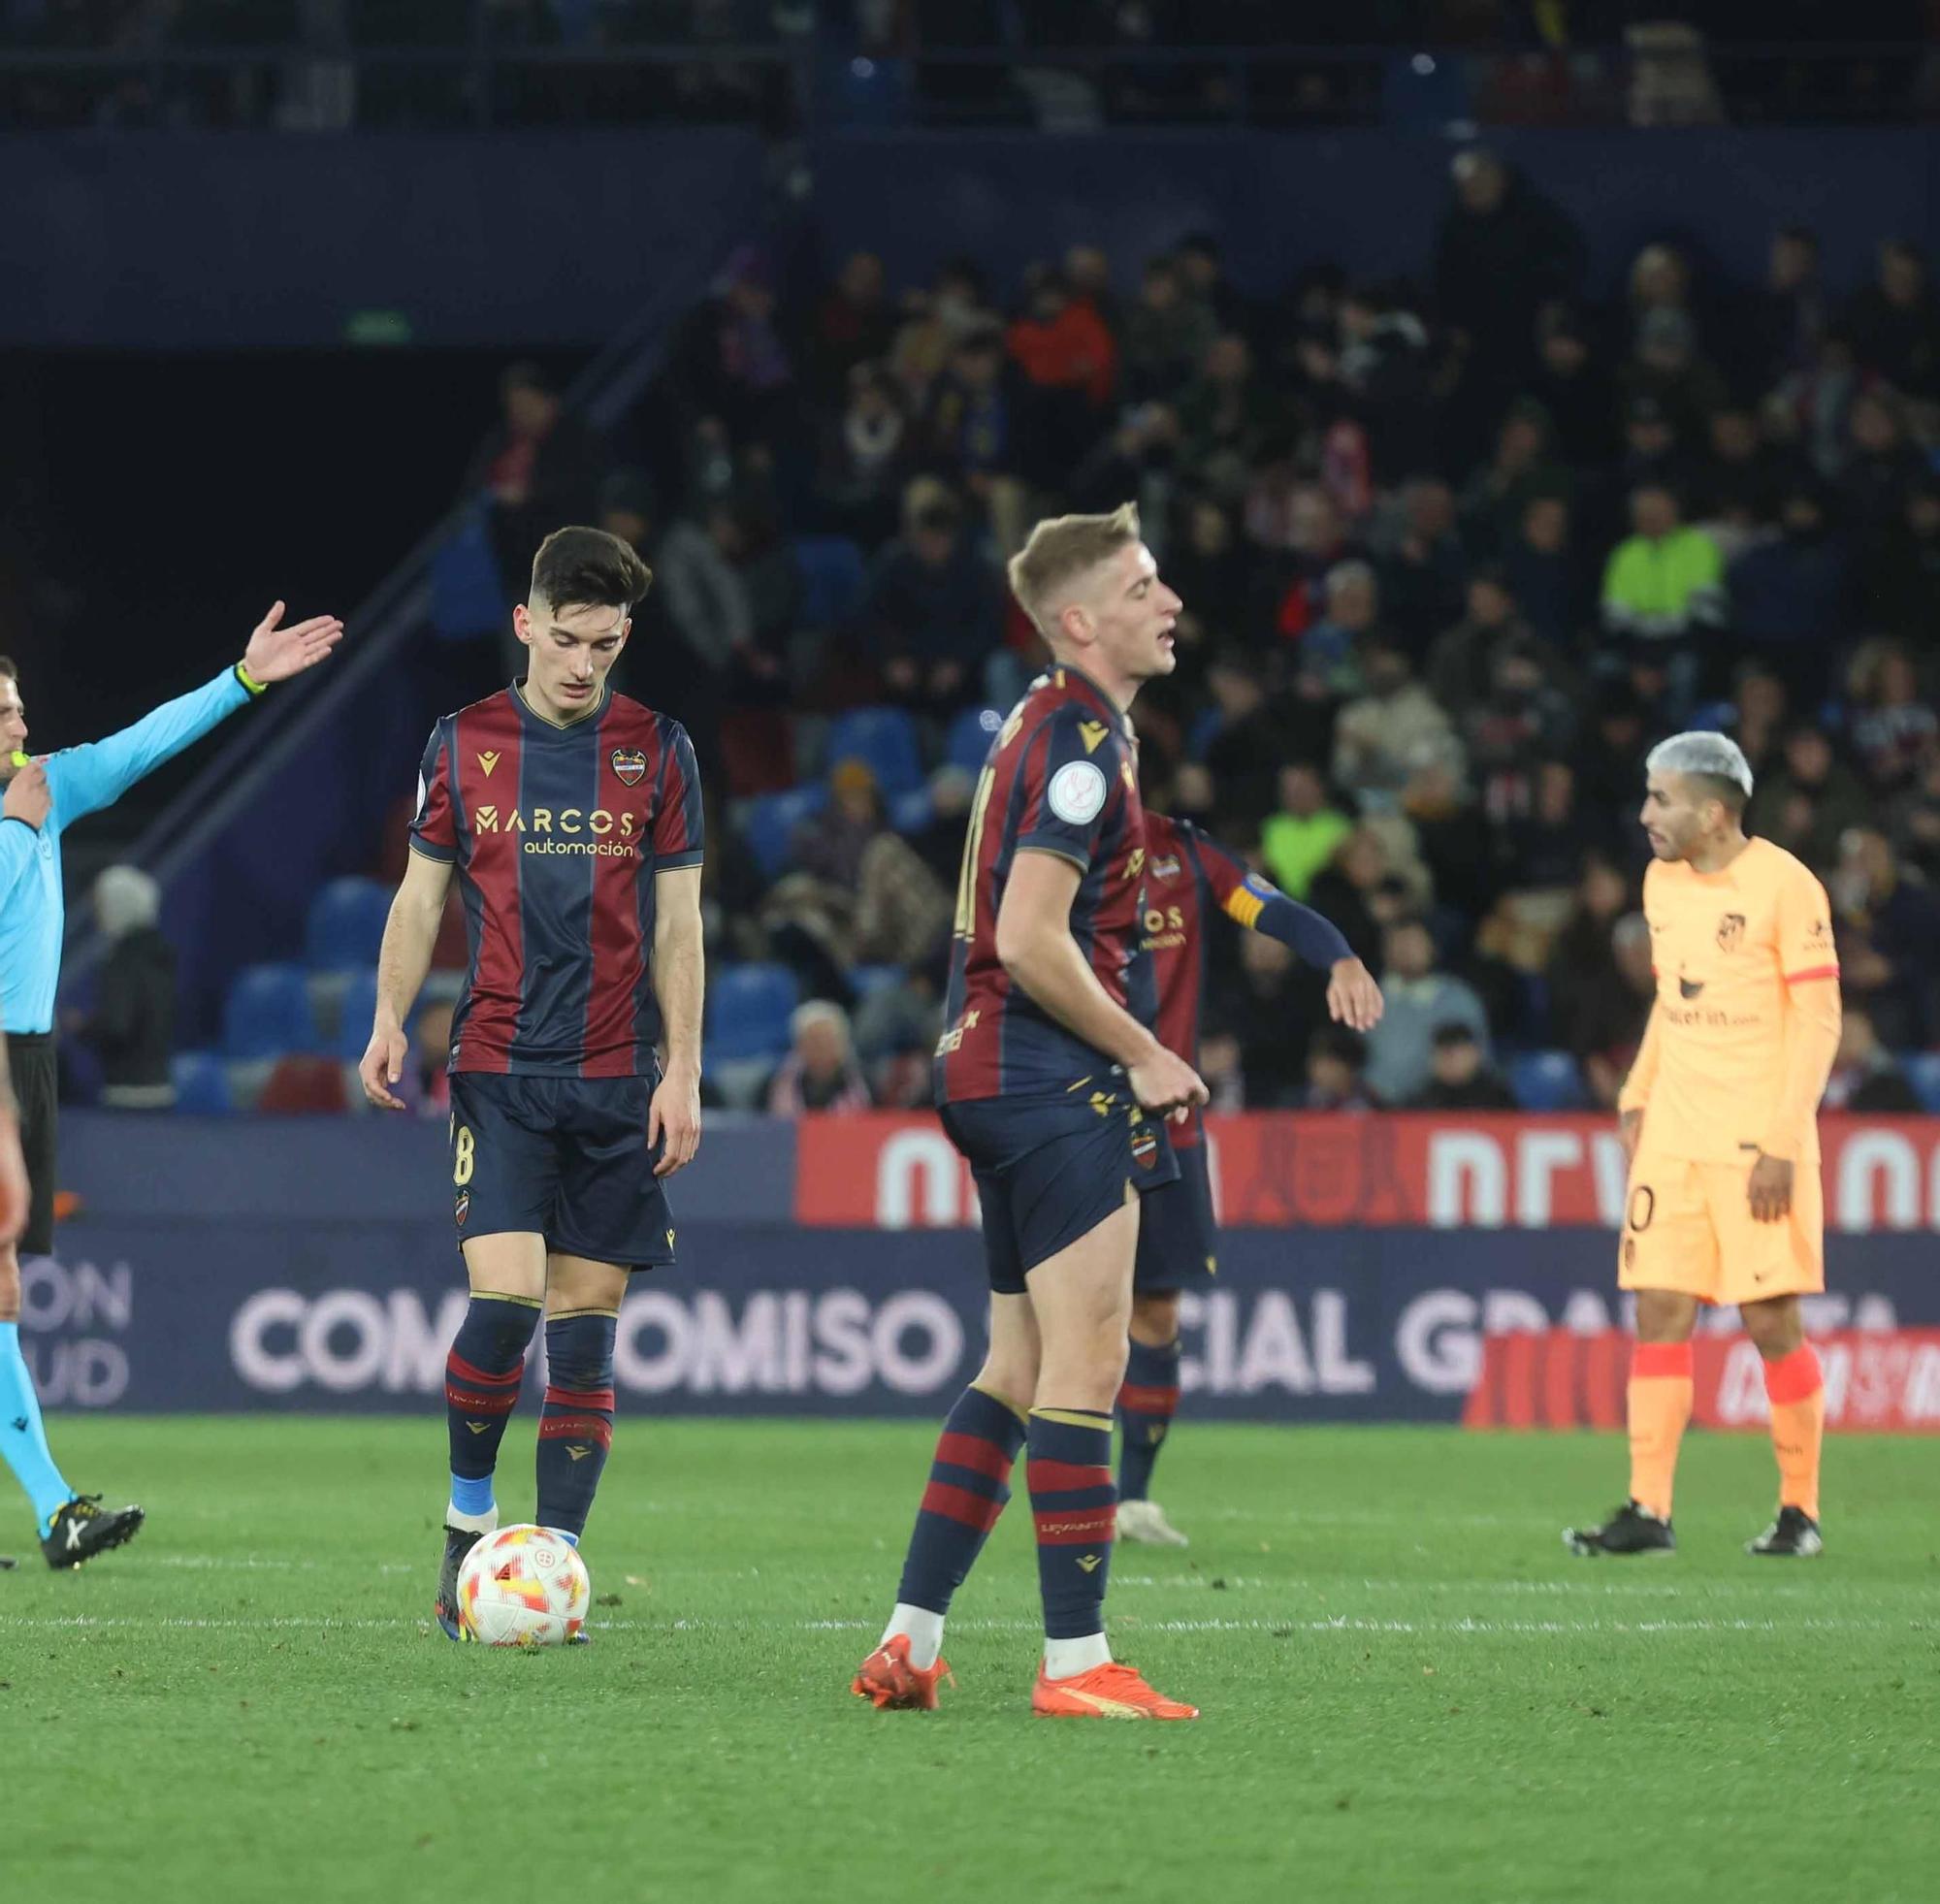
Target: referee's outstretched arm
{"points": [[86, 779]]}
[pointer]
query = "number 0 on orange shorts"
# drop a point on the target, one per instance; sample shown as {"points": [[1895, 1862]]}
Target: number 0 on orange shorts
{"points": [[1688, 1227]]}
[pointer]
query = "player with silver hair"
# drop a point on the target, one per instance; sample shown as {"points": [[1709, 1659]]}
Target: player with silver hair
{"points": [[1704, 757], [1719, 1118]]}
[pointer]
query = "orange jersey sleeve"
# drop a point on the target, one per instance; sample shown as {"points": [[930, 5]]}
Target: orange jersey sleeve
{"points": [[1730, 948]]}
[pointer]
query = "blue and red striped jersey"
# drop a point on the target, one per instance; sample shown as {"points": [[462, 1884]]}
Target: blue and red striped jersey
{"points": [[558, 834], [1059, 778], [1189, 875]]}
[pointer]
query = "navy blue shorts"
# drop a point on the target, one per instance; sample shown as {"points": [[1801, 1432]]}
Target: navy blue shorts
{"points": [[567, 1157], [1177, 1240], [1051, 1170]]}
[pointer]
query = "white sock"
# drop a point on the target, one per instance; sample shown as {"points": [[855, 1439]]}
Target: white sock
{"points": [[1065, 1658], [485, 1523], [924, 1630]]}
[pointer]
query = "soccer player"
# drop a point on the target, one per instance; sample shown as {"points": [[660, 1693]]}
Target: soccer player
{"points": [[1188, 878], [571, 816], [1720, 1119], [44, 797], [1048, 1076]]}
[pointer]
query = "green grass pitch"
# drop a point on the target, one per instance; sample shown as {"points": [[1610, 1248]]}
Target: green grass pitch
{"points": [[1410, 1691]]}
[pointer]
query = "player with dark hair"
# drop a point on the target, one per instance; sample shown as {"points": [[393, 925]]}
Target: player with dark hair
{"points": [[571, 817], [1719, 1117], [1188, 878], [1048, 1076], [45, 796]]}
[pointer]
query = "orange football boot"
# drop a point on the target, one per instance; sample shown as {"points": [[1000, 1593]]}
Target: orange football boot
{"points": [[888, 1681], [1113, 1691]]}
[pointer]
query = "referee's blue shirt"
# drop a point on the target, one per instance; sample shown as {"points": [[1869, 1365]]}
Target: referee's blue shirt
{"points": [[80, 781]]}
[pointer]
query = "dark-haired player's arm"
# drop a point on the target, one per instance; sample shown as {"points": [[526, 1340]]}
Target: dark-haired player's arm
{"points": [[14, 1193], [403, 960], [1249, 899], [1035, 946], [680, 963]]}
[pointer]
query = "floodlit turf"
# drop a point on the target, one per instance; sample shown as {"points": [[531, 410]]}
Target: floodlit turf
{"points": [[1409, 1690]]}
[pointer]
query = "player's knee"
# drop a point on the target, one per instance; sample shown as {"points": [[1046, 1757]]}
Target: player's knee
{"points": [[1664, 1315], [9, 1283], [1776, 1327], [1155, 1318]]}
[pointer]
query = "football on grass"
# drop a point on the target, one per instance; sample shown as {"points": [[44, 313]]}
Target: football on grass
{"points": [[523, 1586]]}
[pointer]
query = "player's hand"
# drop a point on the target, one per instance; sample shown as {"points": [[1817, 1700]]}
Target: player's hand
{"points": [[28, 796], [1630, 1127], [1353, 999], [276, 652], [1770, 1189], [1166, 1083], [13, 1181], [674, 1113], [382, 1065]]}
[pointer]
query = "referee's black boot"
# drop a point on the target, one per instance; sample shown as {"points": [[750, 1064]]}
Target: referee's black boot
{"points": [[81, 1530]]}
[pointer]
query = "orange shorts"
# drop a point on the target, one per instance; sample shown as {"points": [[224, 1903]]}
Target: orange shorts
{"points": [[1688, 1226]]}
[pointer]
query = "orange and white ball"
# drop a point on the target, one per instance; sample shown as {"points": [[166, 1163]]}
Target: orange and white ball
{"points": [[523, 1586]]}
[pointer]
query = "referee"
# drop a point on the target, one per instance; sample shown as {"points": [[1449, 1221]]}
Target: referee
{"points": [[42, 797]]}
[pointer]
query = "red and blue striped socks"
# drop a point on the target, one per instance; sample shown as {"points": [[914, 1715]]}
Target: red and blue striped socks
{"points": [[483, 1373], [969, 1483], [1147, 1404], [576, 1421], [1076, 1508]]}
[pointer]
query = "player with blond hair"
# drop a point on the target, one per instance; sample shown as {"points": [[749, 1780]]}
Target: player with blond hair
{"points": [[1053, 1084], [1720, 1119]]}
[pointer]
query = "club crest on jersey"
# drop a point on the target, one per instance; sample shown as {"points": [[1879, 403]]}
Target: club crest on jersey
{"points": [[629, 763], [1730, 932], [1167, 868], [462, 1208], [1145, 1148]]}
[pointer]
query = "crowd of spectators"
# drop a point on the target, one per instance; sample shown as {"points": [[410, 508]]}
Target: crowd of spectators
{"points": [[1453, 553], [785, 64]]}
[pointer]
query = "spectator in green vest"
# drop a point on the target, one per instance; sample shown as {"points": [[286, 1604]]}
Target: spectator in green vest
{"points": [[1299, 840]]}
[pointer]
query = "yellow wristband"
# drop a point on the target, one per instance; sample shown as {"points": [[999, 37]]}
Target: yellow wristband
{"points": [[250, 681]]}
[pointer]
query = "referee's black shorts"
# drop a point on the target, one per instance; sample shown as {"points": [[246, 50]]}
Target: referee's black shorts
{"points": [[30, 1063]]}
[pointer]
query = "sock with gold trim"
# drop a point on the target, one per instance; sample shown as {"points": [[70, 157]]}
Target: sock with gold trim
{"points": [[483, 1373], [1076, 1508]]}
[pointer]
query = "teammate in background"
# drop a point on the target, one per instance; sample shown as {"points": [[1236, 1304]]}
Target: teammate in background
{"points": [[44, 797], [1048, 1076], [1720, 1119], [1189, 877], [571, 816]]}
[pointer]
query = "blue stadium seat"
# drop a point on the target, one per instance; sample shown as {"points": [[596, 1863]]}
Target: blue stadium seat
{"points": [[267, 1013], [885, 739], [1922, 1072], [771, 819], [970, 736], [911, 812], [867, 980], [468, 596], [201, 1085], [832, 579], [748, 1010], [1546, 1080], [346, 924]]}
